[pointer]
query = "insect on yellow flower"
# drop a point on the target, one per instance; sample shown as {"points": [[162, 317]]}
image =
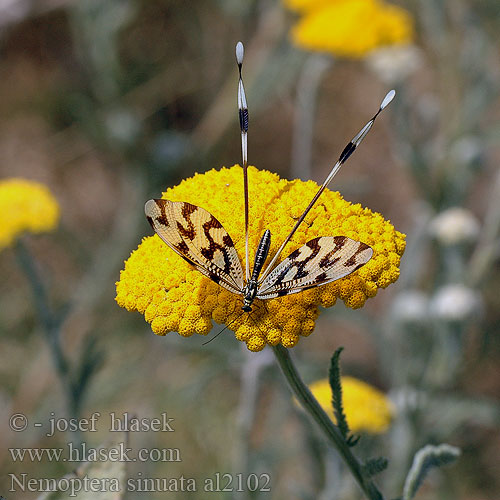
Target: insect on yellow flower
{"points": [[186, 302]]}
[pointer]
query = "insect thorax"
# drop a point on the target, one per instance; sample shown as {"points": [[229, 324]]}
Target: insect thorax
{"points": [[249, 294]]}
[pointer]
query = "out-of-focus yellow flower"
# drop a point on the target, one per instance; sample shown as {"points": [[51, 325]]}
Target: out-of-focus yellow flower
{"points": [[304, 6], [366, 408], [25, 206], [173, 296], [350, 28]]}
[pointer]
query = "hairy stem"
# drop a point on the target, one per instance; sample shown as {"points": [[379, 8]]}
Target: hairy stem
{"points": [[311, 405]]}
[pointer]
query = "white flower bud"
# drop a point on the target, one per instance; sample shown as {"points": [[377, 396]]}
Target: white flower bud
{"points": [[394, 64], [455, 225], [455, 303]]}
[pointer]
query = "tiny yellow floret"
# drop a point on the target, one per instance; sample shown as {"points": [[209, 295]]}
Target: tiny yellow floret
{"points": [[25, 206], [366, 408], [173, 296]]}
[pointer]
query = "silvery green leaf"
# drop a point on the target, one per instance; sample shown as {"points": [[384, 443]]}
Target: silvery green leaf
{"points": [[425, 459]]}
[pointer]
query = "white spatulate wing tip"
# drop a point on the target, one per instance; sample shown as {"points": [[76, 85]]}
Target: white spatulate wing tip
{"points": [[388, 98], [240, 52]]}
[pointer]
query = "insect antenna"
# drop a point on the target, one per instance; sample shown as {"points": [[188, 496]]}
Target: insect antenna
{"points": [[224, 329], [217, 334], [344, 156], [235, 319], [243, 115]]}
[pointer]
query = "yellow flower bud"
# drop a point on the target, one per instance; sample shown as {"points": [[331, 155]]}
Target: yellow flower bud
{"points": [[25, 206]]}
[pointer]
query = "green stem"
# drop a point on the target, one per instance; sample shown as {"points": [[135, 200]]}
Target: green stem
{"points": [[311, 405], [51, 327]]}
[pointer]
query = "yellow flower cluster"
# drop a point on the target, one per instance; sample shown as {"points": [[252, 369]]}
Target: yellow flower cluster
{"points": [[349, 28], [25, 206], [173, 296], [305, 6], [366, 408]]}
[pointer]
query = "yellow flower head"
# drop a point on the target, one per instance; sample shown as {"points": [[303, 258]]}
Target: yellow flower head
{"points": [[173, 296], [25, 206], [365, 407], [304, 6], [352, 28]]}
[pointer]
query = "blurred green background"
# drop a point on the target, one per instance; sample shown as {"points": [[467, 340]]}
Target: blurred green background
{"points": [[110, 102]]}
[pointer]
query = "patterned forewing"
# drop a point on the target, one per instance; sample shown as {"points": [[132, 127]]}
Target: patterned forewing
{"points": [[198, 237], [318, 262]]}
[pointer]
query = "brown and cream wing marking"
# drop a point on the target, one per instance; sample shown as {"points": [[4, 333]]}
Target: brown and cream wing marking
{"points": [[199, 238], [318, 262]]}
